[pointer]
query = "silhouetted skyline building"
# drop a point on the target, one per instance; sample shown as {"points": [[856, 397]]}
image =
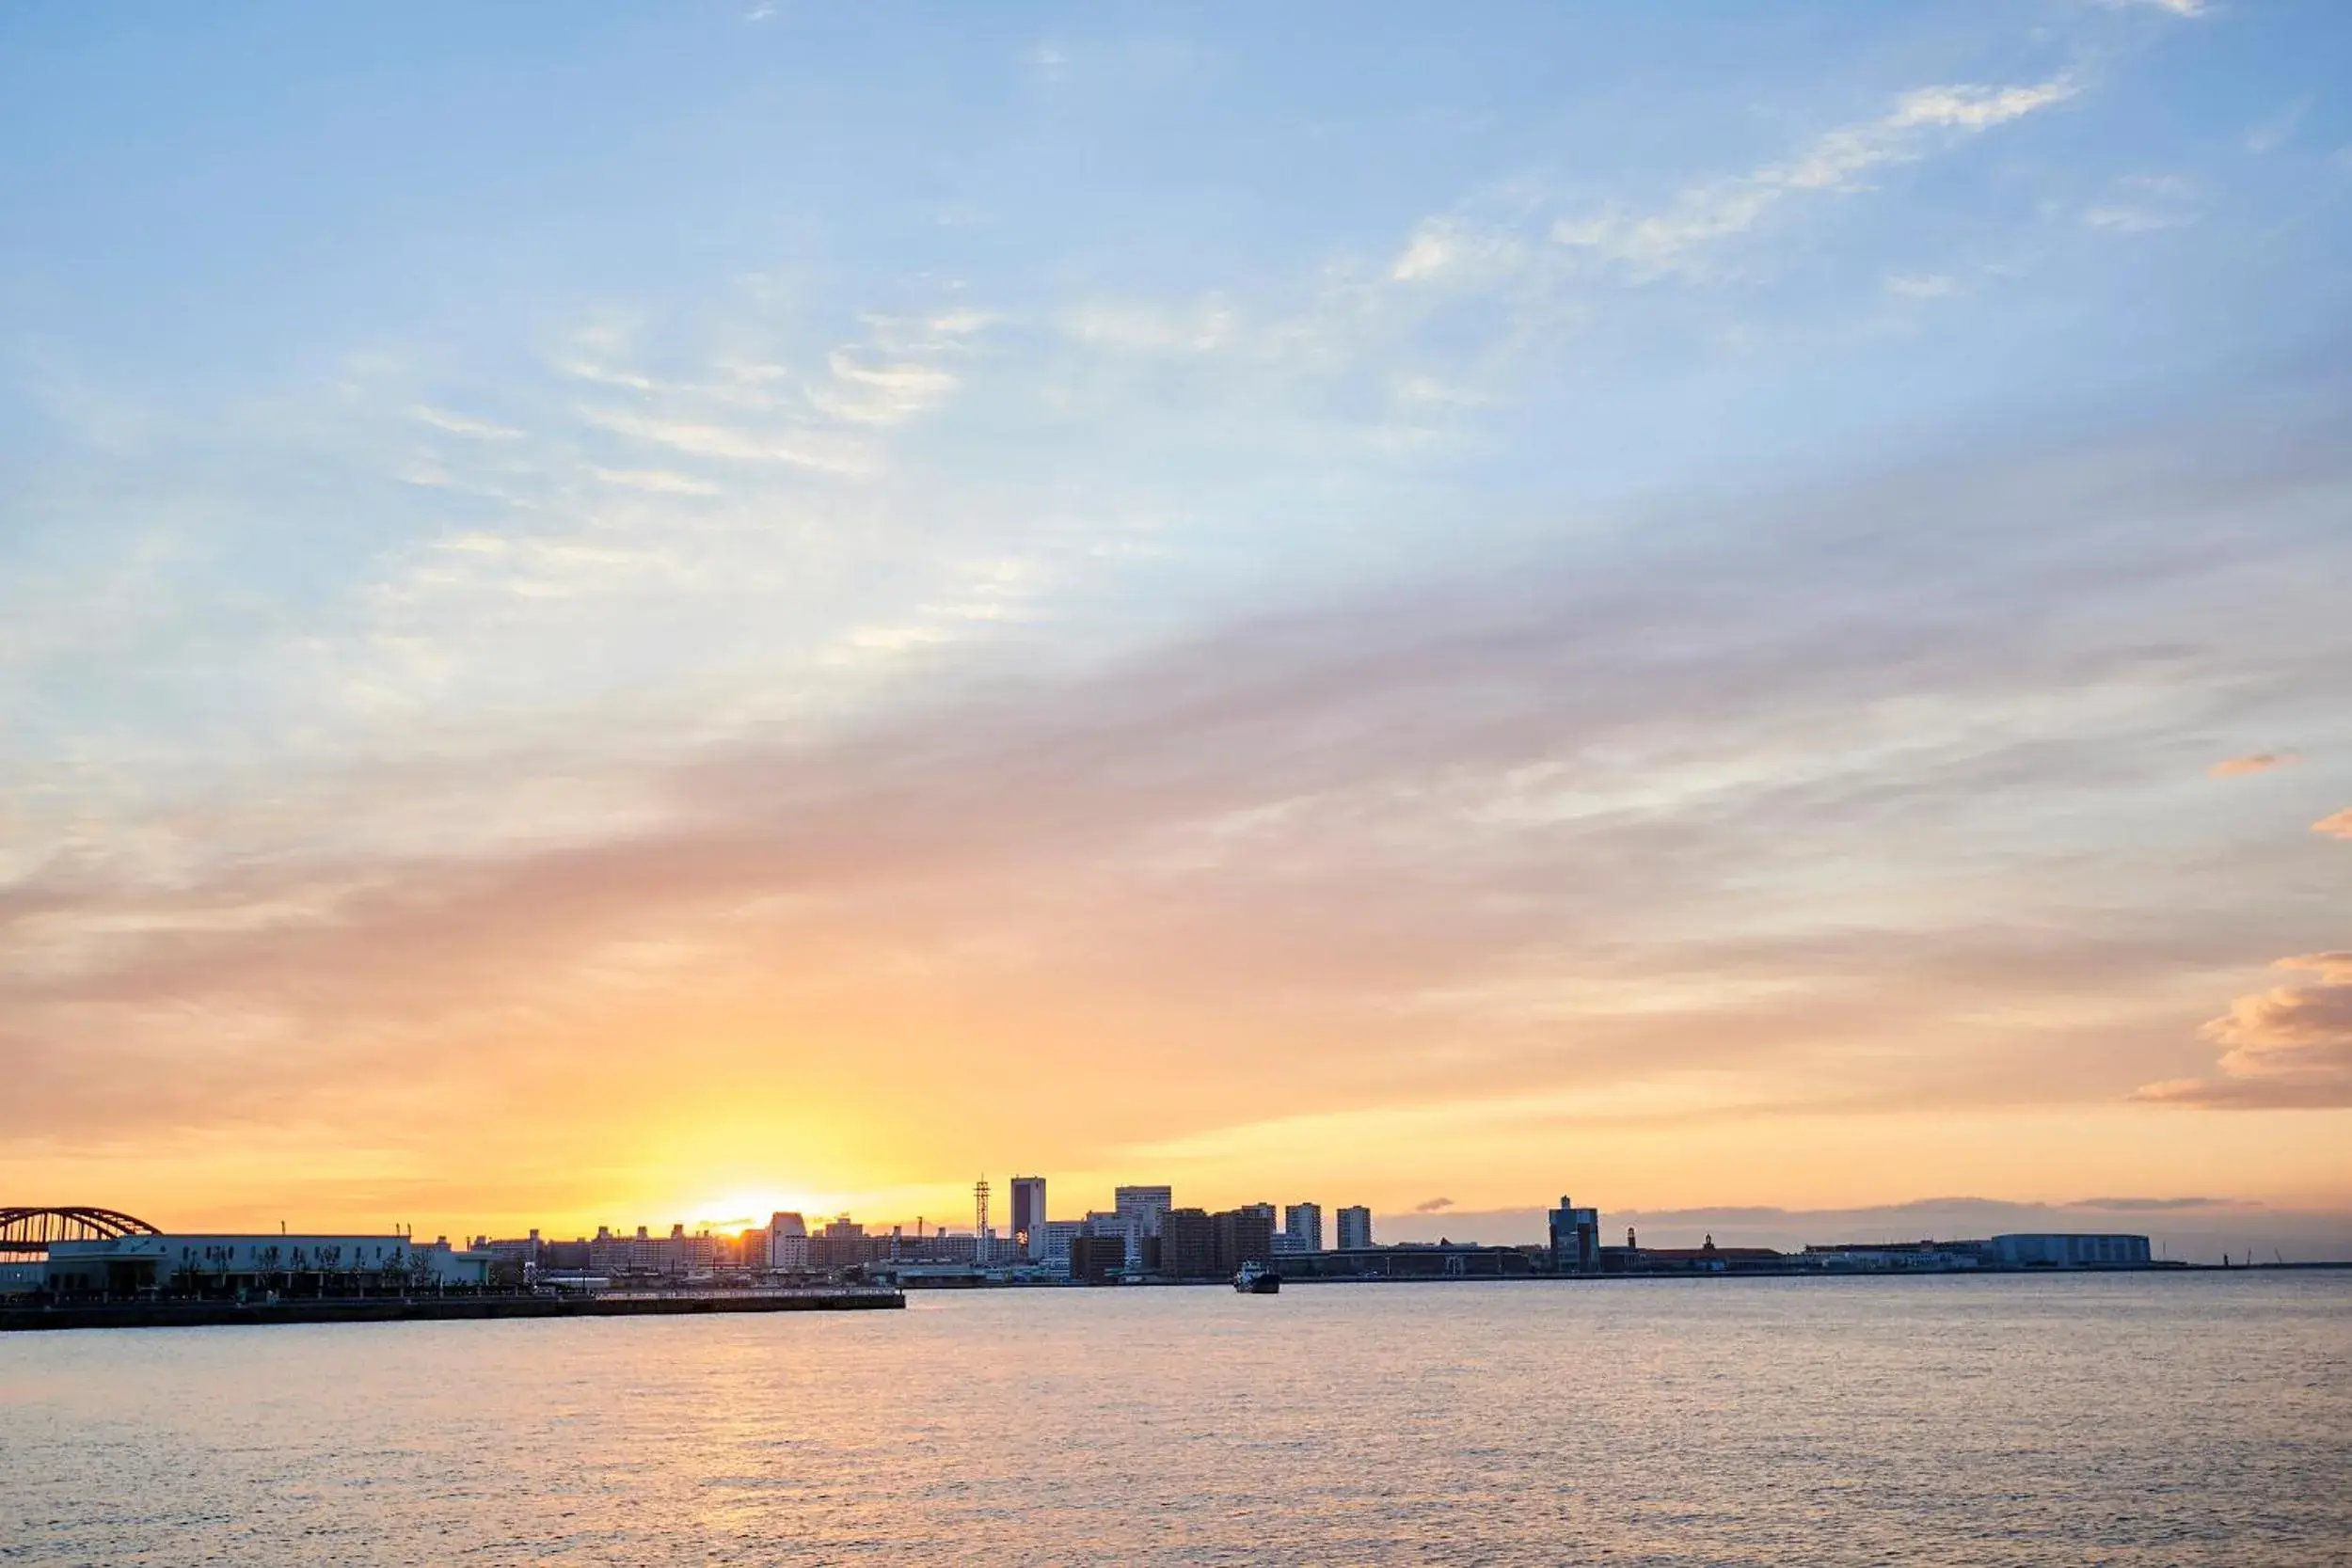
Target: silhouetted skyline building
{"points": [[1244, 1236], [1028, 1217], [1575, 1239], [1355, 1227], [1188, 1244], [1097, 1259]]}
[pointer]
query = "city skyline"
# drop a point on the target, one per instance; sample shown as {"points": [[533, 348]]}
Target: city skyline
{"points": [[710, 609]]}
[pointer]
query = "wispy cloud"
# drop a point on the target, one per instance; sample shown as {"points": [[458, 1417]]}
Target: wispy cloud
{"points": [[658, 481], [2336, 825], [1448, 247], [459, 424], [802, 448], [2253, 762], [1673, 239], [1433, 1205], [1202, 327], [2146, 204], [2274, 131], [880, 393]]}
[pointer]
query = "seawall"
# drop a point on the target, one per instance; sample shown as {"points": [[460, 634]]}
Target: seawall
{"points": [[393, 1309]]}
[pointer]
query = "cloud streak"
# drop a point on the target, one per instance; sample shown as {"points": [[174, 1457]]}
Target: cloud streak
{"points": [[1675, 240], [2290, 1047], [2252, 763]]}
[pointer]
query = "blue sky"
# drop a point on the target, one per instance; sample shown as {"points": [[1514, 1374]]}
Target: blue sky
{"points": [[1698, 561]]}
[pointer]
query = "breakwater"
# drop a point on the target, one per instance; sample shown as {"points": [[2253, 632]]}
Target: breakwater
{"points": [[392, 1309]]}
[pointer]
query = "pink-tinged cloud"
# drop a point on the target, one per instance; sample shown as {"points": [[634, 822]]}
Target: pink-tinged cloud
{"points": [[2336, 826], [2253, 762], [2289, 1047]]}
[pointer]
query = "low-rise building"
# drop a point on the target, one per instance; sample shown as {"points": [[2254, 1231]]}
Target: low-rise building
{"points": [[1059, 1235], [1097, 1259], [226, 1263], [1107, 1224], [1894, 1256], [1413, 1261]]}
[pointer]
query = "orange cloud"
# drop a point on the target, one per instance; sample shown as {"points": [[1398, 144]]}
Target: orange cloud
{"points": [[2253, 762], [2289, 1047], [2336, 826]]}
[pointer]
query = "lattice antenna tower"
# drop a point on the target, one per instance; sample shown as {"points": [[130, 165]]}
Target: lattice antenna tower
{"points": [[980, 1219]]}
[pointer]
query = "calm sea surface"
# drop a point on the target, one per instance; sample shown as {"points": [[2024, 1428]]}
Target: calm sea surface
{"points": [[2096, 1419]]}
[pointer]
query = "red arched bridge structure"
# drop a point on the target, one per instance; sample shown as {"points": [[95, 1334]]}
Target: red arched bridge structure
{"points": [[26, 1233]]}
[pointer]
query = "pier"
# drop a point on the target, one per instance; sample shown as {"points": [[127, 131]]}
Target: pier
{"points": [[434, 1308]]}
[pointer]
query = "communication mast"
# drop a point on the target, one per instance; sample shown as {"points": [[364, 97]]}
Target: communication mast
{"points": [[979, 1220]]}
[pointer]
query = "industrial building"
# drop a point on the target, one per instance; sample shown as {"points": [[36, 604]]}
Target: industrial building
{"points": [[2069, 1251]]}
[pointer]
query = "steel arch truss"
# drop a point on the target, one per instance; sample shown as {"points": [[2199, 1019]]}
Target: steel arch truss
{"points": [[27, 1232]]}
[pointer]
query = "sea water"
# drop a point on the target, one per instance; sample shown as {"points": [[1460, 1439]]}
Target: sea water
{"points": [[2097, 1418]]}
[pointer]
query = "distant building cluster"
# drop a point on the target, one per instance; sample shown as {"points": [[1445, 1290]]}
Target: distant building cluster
{"points": [[1144, 1237]]}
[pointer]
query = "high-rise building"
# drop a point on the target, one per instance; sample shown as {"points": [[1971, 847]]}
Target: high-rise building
{"points": [[1303, 1223], [1188, 1244], [1575, 1239], [787, 1241], [1243, 1236], [1028, 1218], [1143, 1206], [1355, 1222]]}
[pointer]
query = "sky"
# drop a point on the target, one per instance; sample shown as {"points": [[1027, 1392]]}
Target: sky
{"points": [[618, 614]]}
